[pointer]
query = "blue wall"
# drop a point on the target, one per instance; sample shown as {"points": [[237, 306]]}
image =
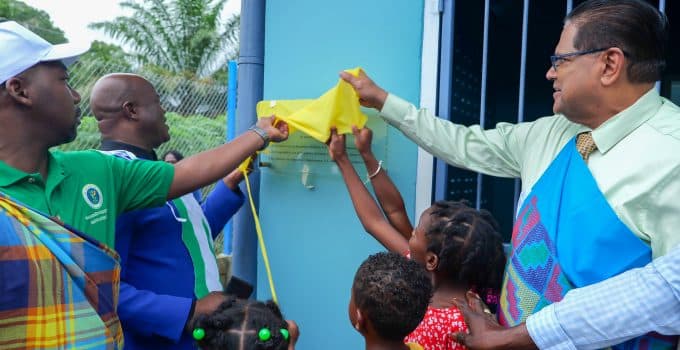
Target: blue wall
{"points": [[314, 239]]}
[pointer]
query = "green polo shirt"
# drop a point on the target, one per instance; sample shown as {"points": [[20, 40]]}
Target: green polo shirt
{"points": [[89, 189]]}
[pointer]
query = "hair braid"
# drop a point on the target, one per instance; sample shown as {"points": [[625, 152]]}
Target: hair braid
{"points": [[468, 245], [236, 324]]}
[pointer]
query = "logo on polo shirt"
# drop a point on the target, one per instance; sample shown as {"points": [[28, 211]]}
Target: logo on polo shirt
{"points": [[93, 196]]}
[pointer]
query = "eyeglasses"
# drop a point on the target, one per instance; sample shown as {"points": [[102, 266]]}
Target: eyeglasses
{"points": [[556, 60]]}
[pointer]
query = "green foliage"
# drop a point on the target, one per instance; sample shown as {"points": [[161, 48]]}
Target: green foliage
{"points": [[88, 136], [186, 94], [183, 43], [113, 55], [194, 133], [179, 36], [101, 59], [188, 134], [37, 21]]}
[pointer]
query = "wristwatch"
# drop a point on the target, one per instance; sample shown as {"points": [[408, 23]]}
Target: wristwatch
{"points": [[263, 134]]}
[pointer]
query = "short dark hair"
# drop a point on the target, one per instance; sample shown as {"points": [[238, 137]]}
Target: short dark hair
{"points": [[634, 26], [175, 153], [393, 292], [236, 323], [468, 245]]}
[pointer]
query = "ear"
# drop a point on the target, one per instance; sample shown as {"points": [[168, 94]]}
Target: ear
{"points": [[17, 89], [130, 110], [614, 67], [431, 261], [360, 326]]}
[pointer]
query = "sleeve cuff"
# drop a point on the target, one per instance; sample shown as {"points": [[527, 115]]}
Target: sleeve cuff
{"points": [[187, 326], [167, 178], [149, 314], [395, 110], [228, 194], [546, 331], [220, 205]]}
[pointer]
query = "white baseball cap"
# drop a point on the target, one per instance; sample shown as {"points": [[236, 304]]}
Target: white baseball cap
{"points": [[21, 49]]}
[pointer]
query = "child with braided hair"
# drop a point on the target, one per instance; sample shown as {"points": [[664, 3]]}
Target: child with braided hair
{"points": [[459, 246], [241, 324]]}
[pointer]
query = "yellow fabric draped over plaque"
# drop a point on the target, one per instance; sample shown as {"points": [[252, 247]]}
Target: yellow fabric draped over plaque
{"points": [[338, 107]]}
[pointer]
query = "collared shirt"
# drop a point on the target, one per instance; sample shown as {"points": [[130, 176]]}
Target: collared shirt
{"points": [[163, 271], [636, 164], [615, 310], [89, 189], [111, 145]]}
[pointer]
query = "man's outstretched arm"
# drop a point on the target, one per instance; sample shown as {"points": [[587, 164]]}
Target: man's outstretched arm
{"points": [[207, 167], [629, 305], [626, 306]]}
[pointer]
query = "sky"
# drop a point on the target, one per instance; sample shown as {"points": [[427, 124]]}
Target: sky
{"points": [[73, 16]]}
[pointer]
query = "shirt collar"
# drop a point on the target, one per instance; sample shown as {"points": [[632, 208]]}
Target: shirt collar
{"points": [[10, 175], [620, 125], [110, 145]]}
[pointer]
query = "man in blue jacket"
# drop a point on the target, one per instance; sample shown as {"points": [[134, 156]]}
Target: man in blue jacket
{"points": [[168, 267]]}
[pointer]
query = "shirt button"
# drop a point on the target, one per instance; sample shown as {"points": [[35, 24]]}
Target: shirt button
{"points": [[31, 180]]}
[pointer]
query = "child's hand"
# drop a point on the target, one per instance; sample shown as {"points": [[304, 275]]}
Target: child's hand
{"points": [[336, 145], [362, 139]]}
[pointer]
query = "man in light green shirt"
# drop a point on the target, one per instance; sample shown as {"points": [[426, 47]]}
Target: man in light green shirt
{"points": [[637, 134]]}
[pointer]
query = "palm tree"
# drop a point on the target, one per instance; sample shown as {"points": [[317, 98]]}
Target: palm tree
{"points": [[180, 36], [38, 21], [183, 39]]}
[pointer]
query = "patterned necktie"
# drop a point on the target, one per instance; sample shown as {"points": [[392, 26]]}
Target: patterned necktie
{"points": [[585, 144]]}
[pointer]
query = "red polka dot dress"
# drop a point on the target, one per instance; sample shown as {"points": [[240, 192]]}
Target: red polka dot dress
{"points": [[433, 332]]}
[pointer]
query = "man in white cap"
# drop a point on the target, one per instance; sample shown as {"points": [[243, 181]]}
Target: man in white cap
{"points": [[58, 287]]}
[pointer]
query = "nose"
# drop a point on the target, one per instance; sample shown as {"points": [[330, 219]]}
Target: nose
{"points": [[551, 74]]}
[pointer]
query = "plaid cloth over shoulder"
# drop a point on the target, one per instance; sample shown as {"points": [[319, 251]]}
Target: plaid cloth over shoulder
{"points": [[58, 288]]}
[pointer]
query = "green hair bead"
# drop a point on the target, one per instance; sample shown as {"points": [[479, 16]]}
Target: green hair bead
{"points": [[284, 333], [264, 334], [198, 333]]}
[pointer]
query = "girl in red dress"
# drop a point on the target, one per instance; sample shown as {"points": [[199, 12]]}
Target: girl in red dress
{"points": [[458, 245]]}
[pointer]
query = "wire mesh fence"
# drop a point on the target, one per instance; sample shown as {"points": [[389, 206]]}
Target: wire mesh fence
{"points": [[196, 110]]}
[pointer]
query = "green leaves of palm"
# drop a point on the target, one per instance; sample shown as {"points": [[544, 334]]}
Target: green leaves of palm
{"points": [[180, 36]]}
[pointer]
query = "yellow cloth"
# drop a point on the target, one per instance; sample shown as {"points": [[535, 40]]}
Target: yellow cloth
{"points": [[338, 107], [243, 167], [414, 346]]}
